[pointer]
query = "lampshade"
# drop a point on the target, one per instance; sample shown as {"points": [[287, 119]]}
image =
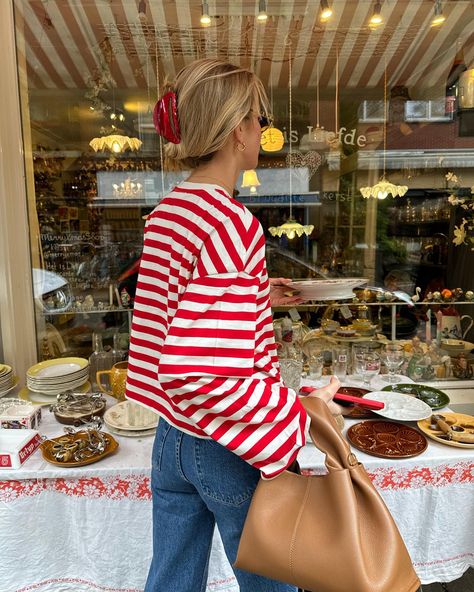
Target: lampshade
{"points": [[272, 140], [383, 189], [250, 179], [115, 143], [291, 228]]}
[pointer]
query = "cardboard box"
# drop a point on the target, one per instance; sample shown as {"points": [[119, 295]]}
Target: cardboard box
{"points": [[16, 446]]}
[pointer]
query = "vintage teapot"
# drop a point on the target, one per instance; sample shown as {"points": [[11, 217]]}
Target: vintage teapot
{"points": [[450, 323]]}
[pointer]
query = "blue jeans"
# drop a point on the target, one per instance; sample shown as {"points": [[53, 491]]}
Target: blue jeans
{"points": [[195, 484]]}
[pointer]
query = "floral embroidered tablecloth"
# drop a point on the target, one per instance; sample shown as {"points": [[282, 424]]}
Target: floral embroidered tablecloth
{"points": [[89, 529]]}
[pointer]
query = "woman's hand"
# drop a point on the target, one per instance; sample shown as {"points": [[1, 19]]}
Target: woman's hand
{"points": [[278, 287], [326, 393]]}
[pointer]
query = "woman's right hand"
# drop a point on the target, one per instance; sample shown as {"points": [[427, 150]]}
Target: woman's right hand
{"points": [[326, 393]]}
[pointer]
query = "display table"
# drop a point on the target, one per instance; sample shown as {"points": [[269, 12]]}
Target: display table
{"points": [[89, 528]]}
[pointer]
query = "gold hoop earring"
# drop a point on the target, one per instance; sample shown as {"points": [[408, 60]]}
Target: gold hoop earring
{"points": [[241, 146]]}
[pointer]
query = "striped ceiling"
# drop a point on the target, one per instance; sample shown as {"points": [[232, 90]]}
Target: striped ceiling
{"points": [[68, 44]]}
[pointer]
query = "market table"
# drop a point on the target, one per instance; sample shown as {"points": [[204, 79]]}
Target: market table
{"points": [[89, 528]]}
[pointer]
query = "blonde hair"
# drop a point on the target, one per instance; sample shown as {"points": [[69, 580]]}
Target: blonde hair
{"points": [[213, 97]]}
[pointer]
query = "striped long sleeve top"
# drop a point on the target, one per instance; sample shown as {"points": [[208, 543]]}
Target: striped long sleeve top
{"points": [[202, 349]]}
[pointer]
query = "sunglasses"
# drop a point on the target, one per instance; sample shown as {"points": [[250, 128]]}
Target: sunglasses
{"points": [[265, 122]]}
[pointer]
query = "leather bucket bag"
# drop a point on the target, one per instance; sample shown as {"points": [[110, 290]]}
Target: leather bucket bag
{"points": [[326, 533]]}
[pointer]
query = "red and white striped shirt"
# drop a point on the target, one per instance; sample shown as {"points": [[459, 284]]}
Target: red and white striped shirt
{"points": [[202, 348]]}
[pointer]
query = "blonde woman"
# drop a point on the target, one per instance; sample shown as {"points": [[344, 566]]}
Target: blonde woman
{"points": [[202, 351]]}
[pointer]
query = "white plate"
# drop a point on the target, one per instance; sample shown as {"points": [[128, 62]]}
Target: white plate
{"points": [[130, 433], [399, 406], [55, 390], [41, 399], [16, 380], [57, 367], [59, 378], [122, 416], [329, 289], [5, 370]]}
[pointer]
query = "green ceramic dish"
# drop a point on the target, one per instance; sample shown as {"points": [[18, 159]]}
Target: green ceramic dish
{"points": [[429, 395]]}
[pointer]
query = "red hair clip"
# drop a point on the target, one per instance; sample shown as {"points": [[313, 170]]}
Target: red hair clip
{"points": [[165, 118]]}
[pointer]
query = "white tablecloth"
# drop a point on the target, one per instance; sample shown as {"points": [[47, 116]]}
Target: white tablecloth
{"points": [[89, 529]]}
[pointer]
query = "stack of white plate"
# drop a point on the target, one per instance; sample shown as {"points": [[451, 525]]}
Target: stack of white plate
{"points": [[130, 419], [52, 377], [7, 379]]}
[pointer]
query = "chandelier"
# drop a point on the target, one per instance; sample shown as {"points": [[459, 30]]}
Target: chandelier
{"points": [[115, 143], [291, 227], [384, 188], [127, 188]]}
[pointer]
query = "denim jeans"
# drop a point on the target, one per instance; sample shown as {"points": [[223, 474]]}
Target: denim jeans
{"points": [[195, 484]]}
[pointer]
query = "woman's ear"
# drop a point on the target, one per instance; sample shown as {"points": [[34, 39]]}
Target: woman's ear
{"points": [[238, 134]]}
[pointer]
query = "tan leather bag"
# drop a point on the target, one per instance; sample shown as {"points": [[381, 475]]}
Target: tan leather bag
{"points": [[327, 533]]}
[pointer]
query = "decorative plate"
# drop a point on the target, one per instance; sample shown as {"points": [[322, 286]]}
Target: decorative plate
{"points": [[57, 367], [329, 289], [386, 439], [429, 395], [453, 419], [355, 411], [46, 451], [400, 407], [127, 415], [41, 399], [130, 433]]}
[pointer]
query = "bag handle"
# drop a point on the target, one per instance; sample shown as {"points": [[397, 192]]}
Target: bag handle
{"points": [[327, 436]]}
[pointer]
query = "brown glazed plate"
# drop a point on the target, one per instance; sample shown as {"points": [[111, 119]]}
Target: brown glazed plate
{"points": [[386, 439], [47, 452], [355, 411]]}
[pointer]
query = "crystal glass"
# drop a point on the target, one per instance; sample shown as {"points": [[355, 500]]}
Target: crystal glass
{"points": [[367, 365], [315, 365], [340, 361], [393, 357], [291, 370]]}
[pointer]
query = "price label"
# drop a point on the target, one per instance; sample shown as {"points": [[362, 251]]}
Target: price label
{"points": [[294, 314], [372, 366], [345, 311]]}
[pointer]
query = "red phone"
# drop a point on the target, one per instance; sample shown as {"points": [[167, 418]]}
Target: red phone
{"points": [[341, 398]]}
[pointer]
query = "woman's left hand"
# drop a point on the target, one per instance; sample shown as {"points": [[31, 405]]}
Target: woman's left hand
{"points": [[278, 287], [326, 393]]}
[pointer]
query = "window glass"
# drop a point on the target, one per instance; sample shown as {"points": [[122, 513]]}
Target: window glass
{"points": [[392, 103]]}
